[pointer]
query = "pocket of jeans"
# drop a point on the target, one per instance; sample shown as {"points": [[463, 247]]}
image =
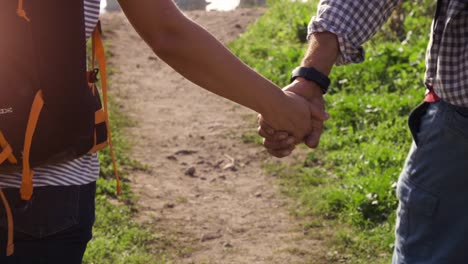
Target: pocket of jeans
{"points": [[415, 212], [415, 123], [50, 211], [459, 121]]}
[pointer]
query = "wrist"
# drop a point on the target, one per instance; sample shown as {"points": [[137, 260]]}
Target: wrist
{"points": [[271, 103], [306, 88], [312, 74]]}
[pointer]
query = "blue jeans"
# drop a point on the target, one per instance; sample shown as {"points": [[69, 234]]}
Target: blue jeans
{"points": [[54, 227], [432, 218]]}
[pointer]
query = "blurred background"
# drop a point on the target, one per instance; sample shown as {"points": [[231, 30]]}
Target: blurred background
{"points": [[221, 5]]}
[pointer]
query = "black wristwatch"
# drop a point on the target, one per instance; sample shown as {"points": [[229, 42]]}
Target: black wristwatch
{"points": [[311, 74]]}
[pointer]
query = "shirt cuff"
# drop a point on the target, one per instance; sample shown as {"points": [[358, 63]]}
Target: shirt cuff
{"points": [[349, 52]]}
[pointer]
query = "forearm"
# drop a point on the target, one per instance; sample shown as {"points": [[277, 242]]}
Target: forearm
{"points": [[197, 55], [321, 54]]}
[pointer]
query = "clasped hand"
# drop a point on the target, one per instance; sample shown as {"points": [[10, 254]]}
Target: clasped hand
{"points": [[300, 119]]}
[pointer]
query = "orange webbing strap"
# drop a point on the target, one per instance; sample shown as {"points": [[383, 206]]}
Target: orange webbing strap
{"points": [[10, 246], [20, 11], [7, 152], [98, 50], [99, 147], [99, 117], [26, 181]]}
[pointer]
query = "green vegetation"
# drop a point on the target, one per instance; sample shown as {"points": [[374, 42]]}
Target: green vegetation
{"points": [[350, 180], [117, 238]]}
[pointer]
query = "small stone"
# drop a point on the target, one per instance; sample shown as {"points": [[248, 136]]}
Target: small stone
{"points": [[185, 152], [212, 236], [171, 157], [228, 245], [191, 172], [258, 194], [169, 205], [218, 164]]}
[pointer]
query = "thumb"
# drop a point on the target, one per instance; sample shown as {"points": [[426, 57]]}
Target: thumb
{"points": [[317, 112], [313, 139]]}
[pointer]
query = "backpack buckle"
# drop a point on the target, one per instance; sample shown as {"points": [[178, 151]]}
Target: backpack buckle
{"points": [[93, 76]]}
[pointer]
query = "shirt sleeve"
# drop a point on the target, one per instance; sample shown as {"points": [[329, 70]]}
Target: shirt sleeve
{"points": [[353, 21]]}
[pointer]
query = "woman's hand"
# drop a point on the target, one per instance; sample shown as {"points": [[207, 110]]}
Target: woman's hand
{"points": [[291, 122]]}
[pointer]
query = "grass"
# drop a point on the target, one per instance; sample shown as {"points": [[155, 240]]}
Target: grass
{"points": [[117, 238], [349, 181], [251, 138]]}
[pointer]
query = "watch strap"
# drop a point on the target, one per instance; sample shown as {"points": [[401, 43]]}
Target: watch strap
{"points": [[311, 74]]}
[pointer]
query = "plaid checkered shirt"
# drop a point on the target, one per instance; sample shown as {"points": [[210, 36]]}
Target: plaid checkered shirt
{"points": [[356, 21]]}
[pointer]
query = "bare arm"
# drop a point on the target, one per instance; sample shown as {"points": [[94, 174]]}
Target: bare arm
{"points": [[197, 55]]}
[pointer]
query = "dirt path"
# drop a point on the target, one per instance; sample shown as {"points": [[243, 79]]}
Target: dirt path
{"points": [[205, 186]]}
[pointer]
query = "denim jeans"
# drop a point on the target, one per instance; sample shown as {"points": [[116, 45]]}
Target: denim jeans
{"points": [[53, 227], [432, 218]]}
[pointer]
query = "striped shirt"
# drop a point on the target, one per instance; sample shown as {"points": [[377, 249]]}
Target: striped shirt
{"points": [[356, 21], [76, 172]]}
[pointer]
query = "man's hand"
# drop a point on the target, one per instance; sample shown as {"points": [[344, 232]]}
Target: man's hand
{"points": [[281, 144]]}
